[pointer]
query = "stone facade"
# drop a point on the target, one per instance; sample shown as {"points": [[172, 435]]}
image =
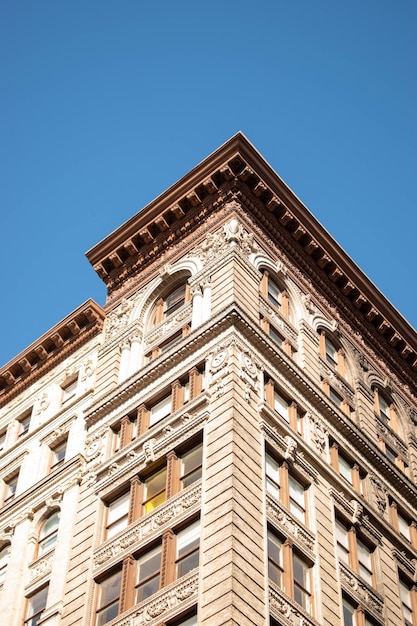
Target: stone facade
{"points": [[231, 440]]}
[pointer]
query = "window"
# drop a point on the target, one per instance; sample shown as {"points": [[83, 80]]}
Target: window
{"points": [[188, 543], [48, 534], [58, 454], [11, 487], [117, 514], [392, 455], [274, 294], [332, 354], [35, 605], [108, 598], [335, 396], [24, 422], [354, 552], [290, 571], [191, 466], [347, 468], [403, 524], [4, 561], [385, 409], [284, 406], [148, 574], [154, 490], [160, 410], [69, 390], [354, 614], [167, 305], [408, 595], [285, 487]]}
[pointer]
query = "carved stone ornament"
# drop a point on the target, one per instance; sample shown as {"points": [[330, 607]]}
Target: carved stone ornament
{"points": [[42, 403], [232, 234], [318, 433], [87, 370], [148, 449], [41, 567], [380, 493], [357, 512], [118, 319], [291, 448], [218, 360]]}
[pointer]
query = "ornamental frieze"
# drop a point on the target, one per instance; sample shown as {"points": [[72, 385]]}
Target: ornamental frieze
{"points": [[163, 604], [233, 234], [361, 591], [150, 525], [284, 519], [286, 610]]}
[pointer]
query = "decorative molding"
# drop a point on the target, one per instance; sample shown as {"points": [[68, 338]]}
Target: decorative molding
{"points": [[41, 567], [283, 519], [286, 610], [151, 524], [181, 594], [360, 591]]}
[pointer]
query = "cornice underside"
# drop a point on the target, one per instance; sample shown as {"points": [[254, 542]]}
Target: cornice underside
{"points": [[62, 340]]}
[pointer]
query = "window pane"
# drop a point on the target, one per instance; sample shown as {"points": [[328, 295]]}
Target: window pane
{"points": [[274, 559], [365, 561], [154, 490], [117, 514], [4, 559], [49, 533], [272, 476], [149, 566], [191, 466], [301, 582], [345, 468], [274, 293], [348, 613], [404, 527], [160, 410], [331, 353], [406, 601], [297, 505], [174, 300], [188, 541], [275, 336], [35, 606], [109, 598], [342, 542], [281, 406]]}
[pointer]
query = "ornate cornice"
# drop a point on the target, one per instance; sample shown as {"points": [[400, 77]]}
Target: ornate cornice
{"points": [[237, 170], [63, 339]]}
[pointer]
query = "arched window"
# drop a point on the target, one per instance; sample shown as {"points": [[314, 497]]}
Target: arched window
{"points": [[332, 353], [4, 561], [275, 295], [385, 409], [48, 534], [168, 304]]}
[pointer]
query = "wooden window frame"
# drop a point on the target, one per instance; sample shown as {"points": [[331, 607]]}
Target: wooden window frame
{"points": [[357, 479], [42, 547], [24, 422], [352, 551], [412, 589], [128, 570], [69, 390], [28, 621], [395, 516], [10, 486], [392, 454], [286, 568], [108, 533], [294, 418], [283, 482], [389, 419], [172, 464]]}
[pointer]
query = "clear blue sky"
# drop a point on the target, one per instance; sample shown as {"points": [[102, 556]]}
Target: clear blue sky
{"points": [[106, 104]]}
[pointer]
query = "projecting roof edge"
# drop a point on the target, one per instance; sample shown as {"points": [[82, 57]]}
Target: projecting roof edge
{"points": [[367, 295], [87, 316]]}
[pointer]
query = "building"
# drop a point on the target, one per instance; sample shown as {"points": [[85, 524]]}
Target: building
{"points": [[230, 440]]}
